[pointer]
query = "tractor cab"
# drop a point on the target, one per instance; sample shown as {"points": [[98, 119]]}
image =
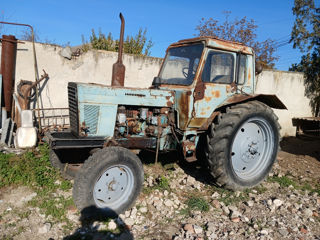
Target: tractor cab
{"points": [[205, 72]]}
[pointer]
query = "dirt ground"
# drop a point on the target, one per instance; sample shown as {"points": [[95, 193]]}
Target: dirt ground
{"points": [[300, 157], [153, 217]]}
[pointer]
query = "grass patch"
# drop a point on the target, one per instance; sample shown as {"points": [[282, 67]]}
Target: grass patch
{"points": [[33, 169], [260, 189], [230, 197], [283, 181], [195, 204], [161, 183], [198, 203], [65, 185], [25, 214], [54, 207]]}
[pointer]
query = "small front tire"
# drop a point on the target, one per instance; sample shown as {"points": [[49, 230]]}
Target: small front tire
{"points": [[109, 182]]}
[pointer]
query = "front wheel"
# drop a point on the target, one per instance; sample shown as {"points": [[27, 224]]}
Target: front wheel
{"points": [[243, 145], [109, 182]]}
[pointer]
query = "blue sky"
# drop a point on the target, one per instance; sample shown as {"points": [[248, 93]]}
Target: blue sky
{"points": [[166, 21]]}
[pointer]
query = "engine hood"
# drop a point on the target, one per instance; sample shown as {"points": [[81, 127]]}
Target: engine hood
{"points": [[96, 93]]}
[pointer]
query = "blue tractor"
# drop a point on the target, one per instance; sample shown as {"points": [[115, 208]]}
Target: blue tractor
{"points": [[205, 90]]}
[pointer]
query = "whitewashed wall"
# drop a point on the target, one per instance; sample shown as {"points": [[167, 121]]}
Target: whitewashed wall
{"points": [[96, 66]]}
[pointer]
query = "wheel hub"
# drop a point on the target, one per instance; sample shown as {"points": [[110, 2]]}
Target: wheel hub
{"points": [[113, 187], [249, 149]]}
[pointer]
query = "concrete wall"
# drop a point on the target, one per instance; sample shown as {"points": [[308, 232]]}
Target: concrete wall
{"points": [[289, 88], [92, 66], [96, 66]]}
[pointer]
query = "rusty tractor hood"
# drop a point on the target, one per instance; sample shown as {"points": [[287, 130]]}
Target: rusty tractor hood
{"points": [[112, 95]]}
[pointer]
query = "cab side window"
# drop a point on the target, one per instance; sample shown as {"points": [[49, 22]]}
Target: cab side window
{"points": [[242, 69], [219, 68]]}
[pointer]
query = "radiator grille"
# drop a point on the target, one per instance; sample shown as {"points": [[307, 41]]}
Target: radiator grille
{"points": [[91, 116], [73, 108]]}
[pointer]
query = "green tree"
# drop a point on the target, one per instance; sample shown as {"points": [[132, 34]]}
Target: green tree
{"points": [[306, 36], [240, 30], [137, 44], [305, 33]]}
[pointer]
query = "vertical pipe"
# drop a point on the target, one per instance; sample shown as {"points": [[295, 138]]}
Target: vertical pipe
{"points": [[8, 64], [118, 69]]}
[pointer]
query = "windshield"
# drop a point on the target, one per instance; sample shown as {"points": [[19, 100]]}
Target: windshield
{"points": [[181, 64]]}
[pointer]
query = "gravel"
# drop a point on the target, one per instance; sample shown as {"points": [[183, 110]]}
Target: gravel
{"points": [[269, 211]]}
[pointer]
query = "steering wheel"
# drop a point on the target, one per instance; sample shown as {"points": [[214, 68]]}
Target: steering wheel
{"points": [[185, 72]]}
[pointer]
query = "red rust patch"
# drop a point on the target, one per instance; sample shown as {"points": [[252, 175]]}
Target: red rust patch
{"points": [[184, 110]]}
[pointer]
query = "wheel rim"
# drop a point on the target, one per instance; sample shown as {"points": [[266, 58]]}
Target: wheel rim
{"points": [[252, 148], [114, 187]]}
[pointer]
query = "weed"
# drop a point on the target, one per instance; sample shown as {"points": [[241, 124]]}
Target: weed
{"points": [[229, 197], [67, 227], [306, 187], [147, 190], [55, 207], [168, 220], [163, 183], [146, 176], [194, 203], [65, 185], [185, 212], [284, 181], [198, 203], [25, 214], [260, 189]]}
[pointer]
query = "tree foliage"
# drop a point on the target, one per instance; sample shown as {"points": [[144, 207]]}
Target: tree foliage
{"points": [[305, 33], [310, 66], [306, 36], [240, 30], [137, 44]]}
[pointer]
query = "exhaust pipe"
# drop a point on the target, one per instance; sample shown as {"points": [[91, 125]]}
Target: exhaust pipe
{"points": [[118, 69], [8, 65]]}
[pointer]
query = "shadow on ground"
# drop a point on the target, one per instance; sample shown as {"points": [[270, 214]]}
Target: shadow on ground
{"points": [[301, 146], [90, 229], [198, 169]]}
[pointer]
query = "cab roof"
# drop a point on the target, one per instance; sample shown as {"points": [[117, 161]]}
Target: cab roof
{"points": [[216, 43]]}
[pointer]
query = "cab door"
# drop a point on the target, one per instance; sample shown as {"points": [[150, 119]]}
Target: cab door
{"points": [[216, 83]]}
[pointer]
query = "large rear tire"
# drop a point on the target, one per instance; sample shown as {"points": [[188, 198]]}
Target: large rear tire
{"points": [[243, 145], [108, 183]]}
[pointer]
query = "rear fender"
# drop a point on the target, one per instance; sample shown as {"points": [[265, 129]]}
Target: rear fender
{"points": [[271, 100]]}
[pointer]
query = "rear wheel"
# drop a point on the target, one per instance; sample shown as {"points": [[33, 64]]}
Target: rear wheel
{"points": [[109, 182], [243, 145]]}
